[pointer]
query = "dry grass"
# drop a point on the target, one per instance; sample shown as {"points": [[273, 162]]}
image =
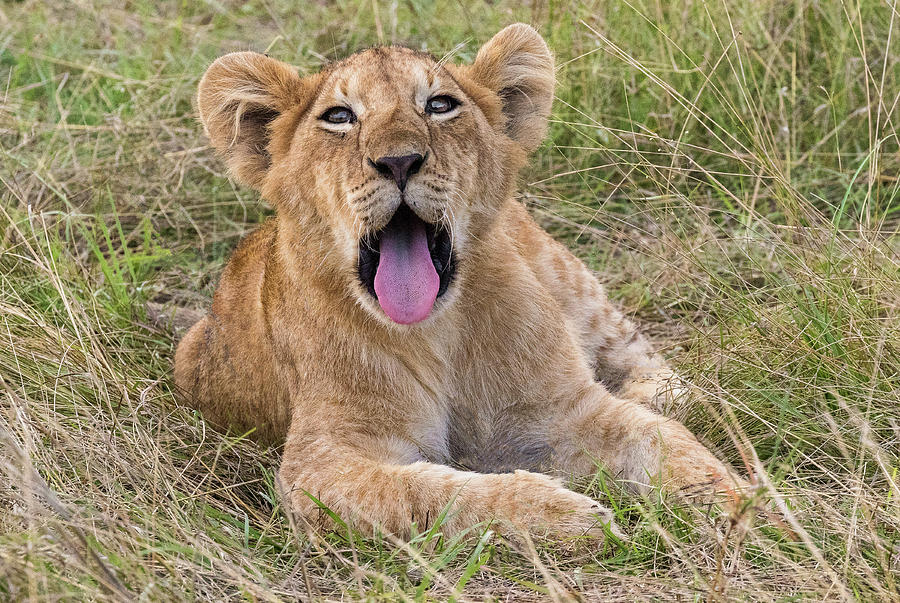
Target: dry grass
{"points": [[731, 169]]}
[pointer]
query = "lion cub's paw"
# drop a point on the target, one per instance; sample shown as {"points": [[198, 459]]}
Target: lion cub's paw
{"points": [[722, 489], [546, 509]]}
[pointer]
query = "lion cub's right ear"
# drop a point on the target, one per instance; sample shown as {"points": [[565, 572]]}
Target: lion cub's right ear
{"points": [[239, 97]]}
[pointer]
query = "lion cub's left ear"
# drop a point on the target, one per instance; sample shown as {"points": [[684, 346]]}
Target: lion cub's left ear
{"points": [[517, 65]]}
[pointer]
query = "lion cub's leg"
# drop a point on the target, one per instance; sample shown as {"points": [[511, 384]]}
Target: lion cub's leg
{"points": [[371, 484], [621, 357], [637, 445], [191, 372], [232, 385], [198, 374], [225, 365]]}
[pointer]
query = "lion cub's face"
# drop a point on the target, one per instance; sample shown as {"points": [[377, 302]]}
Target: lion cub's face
{"points": [[407, 154], [403, 160]]}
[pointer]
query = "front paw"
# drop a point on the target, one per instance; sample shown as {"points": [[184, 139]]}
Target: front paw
{"points": [[310, 514], [721, 488], [546, 509]]}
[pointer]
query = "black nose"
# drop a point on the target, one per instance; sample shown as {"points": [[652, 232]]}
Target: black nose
{"points": [[399, 168]]}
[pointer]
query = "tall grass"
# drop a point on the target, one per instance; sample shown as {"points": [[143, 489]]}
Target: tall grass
{"points": [[730, 169]]}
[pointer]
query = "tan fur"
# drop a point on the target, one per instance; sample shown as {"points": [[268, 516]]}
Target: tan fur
{"points": [[523, 369]]}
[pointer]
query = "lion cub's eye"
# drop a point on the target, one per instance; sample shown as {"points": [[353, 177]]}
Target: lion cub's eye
{"points": [[338, 115], [441, 104]]}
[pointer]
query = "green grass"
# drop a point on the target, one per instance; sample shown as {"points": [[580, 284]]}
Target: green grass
{"points": [[730, 169]]}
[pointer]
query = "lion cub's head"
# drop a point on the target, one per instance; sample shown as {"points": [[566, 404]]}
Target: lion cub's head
{"points": [[393, 162]]}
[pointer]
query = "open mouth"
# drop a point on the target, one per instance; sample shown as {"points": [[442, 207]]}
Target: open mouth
{"points": [[407, 265]]}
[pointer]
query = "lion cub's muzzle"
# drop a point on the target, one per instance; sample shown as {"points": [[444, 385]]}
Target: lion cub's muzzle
{"points": [[407, 265]]}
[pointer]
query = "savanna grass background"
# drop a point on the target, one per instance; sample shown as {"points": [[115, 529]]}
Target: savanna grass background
{"points": [[729, 168]]}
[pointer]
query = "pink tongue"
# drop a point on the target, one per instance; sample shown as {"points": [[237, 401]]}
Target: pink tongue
{"points": [[406, 282]]}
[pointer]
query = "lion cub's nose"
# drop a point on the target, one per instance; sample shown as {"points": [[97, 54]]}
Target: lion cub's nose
{"points": [[399, 168]]}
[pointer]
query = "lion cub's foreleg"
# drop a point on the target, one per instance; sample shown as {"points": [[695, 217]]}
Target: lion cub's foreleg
{"points": [[637, 445], [371, 487]]}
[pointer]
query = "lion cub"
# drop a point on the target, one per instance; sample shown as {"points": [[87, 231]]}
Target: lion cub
{"points": [[407, 330]]}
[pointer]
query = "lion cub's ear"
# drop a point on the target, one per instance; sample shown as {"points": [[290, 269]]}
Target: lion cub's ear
{"points": [[516, 64], [239, 97]]}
